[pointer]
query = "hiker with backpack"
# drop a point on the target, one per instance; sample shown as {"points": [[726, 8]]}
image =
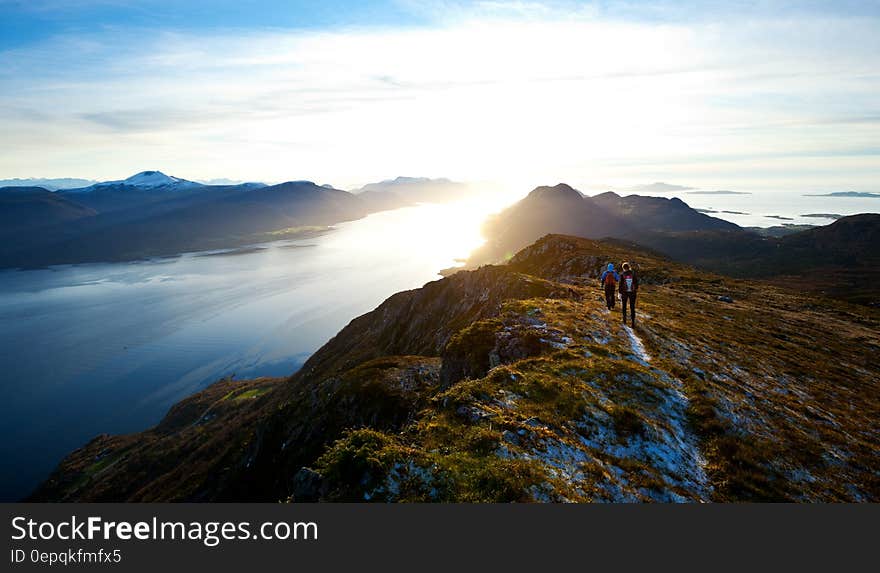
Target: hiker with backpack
{"points": [[629, 287], [609, 280]]}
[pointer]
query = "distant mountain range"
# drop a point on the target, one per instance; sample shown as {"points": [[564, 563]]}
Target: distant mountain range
{"points": [[154, 214], [867, 195], [841, 259], [138, 190], [49, 184], [401, 191]]}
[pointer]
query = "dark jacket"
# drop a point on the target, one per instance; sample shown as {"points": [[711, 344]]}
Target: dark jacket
{"points": [[623, 282]]}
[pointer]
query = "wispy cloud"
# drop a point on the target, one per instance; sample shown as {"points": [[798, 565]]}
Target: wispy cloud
{"points": [[530, 91]]}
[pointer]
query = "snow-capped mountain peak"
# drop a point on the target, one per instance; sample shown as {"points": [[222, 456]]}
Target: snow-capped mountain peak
{"points": [[144, 180], [152, 179]]}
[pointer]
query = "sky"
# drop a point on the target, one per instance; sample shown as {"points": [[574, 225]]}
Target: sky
{"points": [[747, 95]]}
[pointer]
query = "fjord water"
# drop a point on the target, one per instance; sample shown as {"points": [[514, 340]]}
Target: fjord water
{"points": [[763, 208], [108, 348]]}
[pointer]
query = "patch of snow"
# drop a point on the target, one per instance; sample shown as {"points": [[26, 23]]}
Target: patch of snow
{"points": [[666, 447], [409, 473], [542, 493], [553, 343], [602, 338], [857, 494], [473, 413], [507, 400], [150, 179], [801, 475], [638, 347]]}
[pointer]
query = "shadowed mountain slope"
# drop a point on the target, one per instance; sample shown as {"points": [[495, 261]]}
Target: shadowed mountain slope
{"points": [[561, 209], [191, 219], [841, 260], [35, 208], [658, 214]]}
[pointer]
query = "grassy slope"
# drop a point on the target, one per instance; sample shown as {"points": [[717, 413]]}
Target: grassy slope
{"points": [[514, 383]]}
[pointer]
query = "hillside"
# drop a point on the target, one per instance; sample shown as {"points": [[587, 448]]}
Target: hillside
{"points": [[564, 210], [175, 220], [36, 208], [152, 214], [513, 383], [646, 213], [839, 260], [560, 208]]}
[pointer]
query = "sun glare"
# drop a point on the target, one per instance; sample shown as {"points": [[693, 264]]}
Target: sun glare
{"points": [[442, 235]]}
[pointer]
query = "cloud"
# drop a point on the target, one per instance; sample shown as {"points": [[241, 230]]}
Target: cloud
{"points": [[526, 91]]}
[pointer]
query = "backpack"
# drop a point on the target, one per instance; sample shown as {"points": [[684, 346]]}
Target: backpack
{"points": [[628, 282], [609, 280]]}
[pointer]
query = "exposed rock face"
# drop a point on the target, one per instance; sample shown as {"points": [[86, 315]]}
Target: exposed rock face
{"points": [[514, 383], [421, 321]]}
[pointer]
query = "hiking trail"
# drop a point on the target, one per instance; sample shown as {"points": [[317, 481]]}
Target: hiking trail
{"points": [[638, 347]]}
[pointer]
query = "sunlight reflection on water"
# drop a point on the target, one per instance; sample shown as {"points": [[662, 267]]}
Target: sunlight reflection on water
{"points": [[88, 349]]}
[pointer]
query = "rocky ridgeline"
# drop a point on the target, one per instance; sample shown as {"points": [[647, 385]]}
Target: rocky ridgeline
{"points": [[514, 383]]}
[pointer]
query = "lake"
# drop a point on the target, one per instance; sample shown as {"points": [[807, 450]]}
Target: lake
{"points": [[108, 348]]}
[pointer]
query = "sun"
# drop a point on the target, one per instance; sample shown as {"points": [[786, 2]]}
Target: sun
{"points": [[433, 234]]}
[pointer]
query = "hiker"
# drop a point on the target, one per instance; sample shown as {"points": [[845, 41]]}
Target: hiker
{"points": [[609, 280], [629, 286]]}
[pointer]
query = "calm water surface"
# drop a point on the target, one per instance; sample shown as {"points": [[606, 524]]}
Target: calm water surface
{"points": [[108, 348]]}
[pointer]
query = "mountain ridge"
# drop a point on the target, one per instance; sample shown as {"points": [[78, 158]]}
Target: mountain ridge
{"points": [[143, 180], [152, 214], [564, 210], [822, 259], [36, 208], [197, 218], [512, 383], [50, 184]]}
